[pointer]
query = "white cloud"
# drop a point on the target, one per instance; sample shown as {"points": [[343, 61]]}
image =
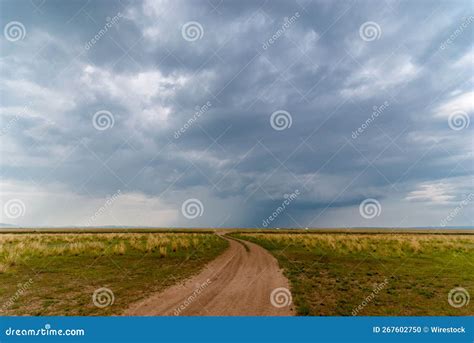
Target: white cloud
{"points": [[377, 75], [463, 102], [466, 61], [432, 192], [56, 205], [47, 100], [145, 95], [143, 86]]}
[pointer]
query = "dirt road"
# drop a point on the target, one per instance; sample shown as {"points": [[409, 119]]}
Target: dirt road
{"points": [[244, 281]]}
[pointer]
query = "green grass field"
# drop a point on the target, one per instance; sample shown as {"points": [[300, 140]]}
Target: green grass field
{"points": [[331, 273], [57, 273], [373, 274]]}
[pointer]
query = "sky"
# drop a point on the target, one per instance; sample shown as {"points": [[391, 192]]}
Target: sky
{"points": [[236, 113]]}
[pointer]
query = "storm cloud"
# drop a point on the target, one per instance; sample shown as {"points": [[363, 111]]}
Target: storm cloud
{"points": [[132, 108]]}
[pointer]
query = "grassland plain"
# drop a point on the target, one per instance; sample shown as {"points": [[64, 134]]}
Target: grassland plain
{"points": [[373, 273], [58, 273]]}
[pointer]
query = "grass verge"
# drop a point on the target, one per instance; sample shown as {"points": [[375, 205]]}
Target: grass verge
{"points": [[373, 274], [57, 274]]}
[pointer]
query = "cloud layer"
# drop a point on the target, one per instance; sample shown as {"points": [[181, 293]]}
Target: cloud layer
{"points": [[238, 105]]}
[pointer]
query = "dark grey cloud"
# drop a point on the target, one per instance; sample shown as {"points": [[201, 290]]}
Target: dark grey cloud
{"points": [[369, 118]]}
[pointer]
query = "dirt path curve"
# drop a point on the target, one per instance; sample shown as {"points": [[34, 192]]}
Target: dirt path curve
{"points": [[237, 283]]}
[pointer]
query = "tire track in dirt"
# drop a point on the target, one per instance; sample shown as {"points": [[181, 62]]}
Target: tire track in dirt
{"points": [[239, 282]]}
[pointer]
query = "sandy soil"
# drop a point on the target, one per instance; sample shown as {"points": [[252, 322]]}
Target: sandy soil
{"points": [[237, 283]]}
